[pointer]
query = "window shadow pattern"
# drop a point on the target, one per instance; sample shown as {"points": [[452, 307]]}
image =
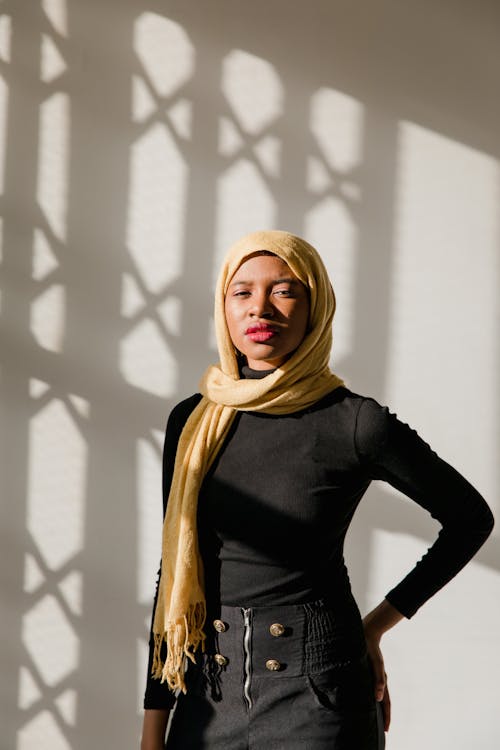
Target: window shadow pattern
{"points": [[125, 173]]}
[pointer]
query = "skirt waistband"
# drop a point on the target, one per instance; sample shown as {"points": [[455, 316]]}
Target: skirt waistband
{"points": [[285, 640]]}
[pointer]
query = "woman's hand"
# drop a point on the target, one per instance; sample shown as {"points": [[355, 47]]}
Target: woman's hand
{"points": [[375, 624], [379, 677]]}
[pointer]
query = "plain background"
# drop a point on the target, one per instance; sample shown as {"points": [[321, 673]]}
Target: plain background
{"points": [[137, 141]]}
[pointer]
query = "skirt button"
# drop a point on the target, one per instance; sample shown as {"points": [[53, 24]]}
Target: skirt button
{"points": [[220, 626], [277, 629], [273, 665]]}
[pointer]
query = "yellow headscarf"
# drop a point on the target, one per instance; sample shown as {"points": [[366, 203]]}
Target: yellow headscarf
{"points": [[298, 383]]}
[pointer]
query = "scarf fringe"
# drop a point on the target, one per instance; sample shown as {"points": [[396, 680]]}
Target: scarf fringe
{"points": [[182, 639]]}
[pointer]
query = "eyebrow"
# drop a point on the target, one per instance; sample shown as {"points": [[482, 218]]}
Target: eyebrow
{"points": [[284, 280]]}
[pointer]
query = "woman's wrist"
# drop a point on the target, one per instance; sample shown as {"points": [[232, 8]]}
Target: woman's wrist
{"points": [[380, 620]]}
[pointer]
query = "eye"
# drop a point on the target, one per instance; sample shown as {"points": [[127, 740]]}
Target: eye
{"points": [[241, 293], [283, 292]]}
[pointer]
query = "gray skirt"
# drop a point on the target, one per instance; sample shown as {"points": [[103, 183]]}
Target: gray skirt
{"points": [[279, 678]]}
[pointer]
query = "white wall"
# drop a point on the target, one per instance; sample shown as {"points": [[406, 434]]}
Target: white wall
{"points": [[136, 141]]}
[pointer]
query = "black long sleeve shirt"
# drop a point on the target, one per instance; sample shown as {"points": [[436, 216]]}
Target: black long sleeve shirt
{"points": [[276, 505]]}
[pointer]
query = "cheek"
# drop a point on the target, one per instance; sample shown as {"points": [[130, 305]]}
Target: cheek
{"points": [[301, 322], [230, 319], [301, 332]]}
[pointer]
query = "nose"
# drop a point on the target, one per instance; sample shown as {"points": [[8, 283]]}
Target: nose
{"points": [[261, 306]]}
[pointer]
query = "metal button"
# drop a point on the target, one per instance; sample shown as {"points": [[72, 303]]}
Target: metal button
{"points": [[277, 629], [221, 660], [220, 626], [273, 665]]}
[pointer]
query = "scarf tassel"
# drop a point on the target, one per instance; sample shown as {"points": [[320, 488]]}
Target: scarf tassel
{"points": [[182, 639]]}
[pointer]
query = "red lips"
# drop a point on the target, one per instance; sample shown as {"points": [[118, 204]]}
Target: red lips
{"points": [[261, 332], [260, 327]]}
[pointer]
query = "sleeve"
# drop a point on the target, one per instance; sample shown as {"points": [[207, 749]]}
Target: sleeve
{"points": [[391, 451], [158, 695]]}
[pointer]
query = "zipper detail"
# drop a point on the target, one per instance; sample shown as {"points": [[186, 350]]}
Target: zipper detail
{"points": [[247, 619]]}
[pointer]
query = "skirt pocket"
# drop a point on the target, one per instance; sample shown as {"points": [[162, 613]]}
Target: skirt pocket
{"points": [[347, 688]]}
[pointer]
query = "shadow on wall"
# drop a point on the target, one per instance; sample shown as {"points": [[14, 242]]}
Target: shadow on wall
{"points": [[138, 142]]}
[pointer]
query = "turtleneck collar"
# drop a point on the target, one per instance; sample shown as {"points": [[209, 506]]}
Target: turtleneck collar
{"points": [[250, 374]]}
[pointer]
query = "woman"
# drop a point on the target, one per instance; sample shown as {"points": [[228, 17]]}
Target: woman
{"points": [[254, 596]]}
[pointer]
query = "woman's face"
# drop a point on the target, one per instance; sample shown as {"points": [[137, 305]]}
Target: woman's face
{"points": [[267, 311]]}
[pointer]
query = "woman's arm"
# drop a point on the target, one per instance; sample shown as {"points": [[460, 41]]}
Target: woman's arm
{"points": [[376, 623], [154, 726], [393, 452], [158, 698]]}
